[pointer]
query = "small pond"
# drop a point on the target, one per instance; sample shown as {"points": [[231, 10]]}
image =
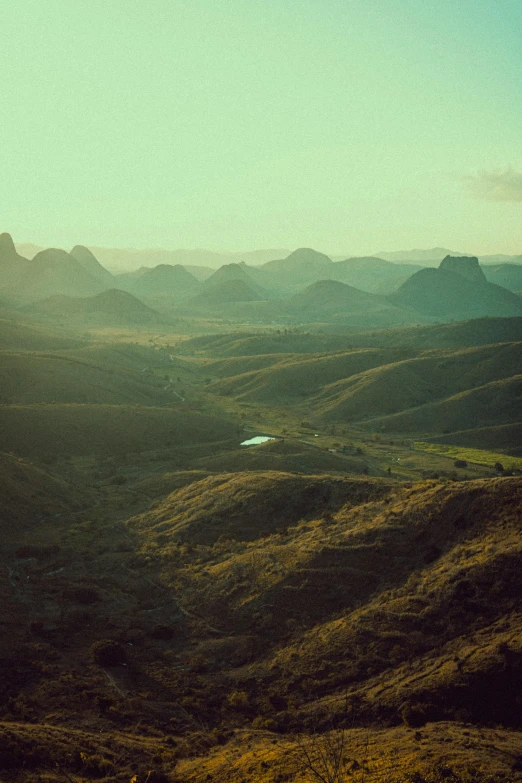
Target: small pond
{"points": [[256, 440]]}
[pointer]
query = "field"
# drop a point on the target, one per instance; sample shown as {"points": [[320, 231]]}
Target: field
{"points": [[476, 456]]}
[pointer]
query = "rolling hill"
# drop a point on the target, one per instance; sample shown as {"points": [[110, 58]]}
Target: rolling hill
{"points": [[166, 281], [109, 308], [296, 378], [70, 377], [44, 431]]}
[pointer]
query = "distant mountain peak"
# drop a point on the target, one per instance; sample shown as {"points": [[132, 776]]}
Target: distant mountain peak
{"points": [[308, 254], [7, 245], [465, 266]]}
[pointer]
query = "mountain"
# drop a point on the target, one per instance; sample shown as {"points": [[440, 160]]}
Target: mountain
{"points": [[55, 272], [233, 273], [507, 275], [456, 289], [430, 257], [374, 275], [330, 297], [109, 308], [89, 262], [124, 259], [166, 281], [12, 265], [300, 268], [223, 293]]}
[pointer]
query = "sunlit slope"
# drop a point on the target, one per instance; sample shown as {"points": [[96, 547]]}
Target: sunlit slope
{"points": [[247, 506], [495, 403], [465, 388], [298, 377], [375, 594], [66, 430]]}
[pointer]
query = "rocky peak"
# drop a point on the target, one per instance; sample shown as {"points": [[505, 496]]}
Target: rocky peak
{"points": [[465, 266], [7, 248]]}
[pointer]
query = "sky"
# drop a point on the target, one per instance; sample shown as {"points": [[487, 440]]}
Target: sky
{"points": [[344, 125]]}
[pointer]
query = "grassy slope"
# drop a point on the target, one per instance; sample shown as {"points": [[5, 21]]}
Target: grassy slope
{"points": [[65, 430], [65, 378]]}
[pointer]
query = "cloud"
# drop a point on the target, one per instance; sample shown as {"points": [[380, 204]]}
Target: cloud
{"points": [[495, 185]]}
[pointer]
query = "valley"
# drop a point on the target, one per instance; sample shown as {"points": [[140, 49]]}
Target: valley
{"points": [[179, 607]]}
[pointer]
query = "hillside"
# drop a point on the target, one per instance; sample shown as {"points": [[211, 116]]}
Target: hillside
{"points": [[42, 431], [238, 276], [456, 289], [55, 272], [72, 377], [13, 266], [269, 607], [221, 294], [89, 262], [374, 275], [505, 438], [166, 281], [21, 336], [498, 402], [296, 378], [300, 268], [109, 308], [506, 275]]}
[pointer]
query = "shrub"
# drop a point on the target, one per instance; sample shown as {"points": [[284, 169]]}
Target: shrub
{"points": [[107, 652]]}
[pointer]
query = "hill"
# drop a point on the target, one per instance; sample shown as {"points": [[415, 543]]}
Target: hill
{"points": [[89, 262], [12, 265], [374, 275], [17, 335], [300, 268], [507, 275], [494, 403], [55, 272], [109, 308], [506, 438], [71, 377], [274, 609], [456, 289], [48, 431], [224, 293], [296, 378], [234, 274], [330, 297], [166, 281], [403, 385], [431, 257], [464, 334]]}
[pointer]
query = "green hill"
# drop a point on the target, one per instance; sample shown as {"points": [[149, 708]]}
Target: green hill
{"points": [[49, 431], [64, 378], [456, 289], [109, 308]]}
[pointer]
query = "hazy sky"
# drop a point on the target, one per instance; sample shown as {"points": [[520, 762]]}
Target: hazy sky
{"points": [[345, 125]]}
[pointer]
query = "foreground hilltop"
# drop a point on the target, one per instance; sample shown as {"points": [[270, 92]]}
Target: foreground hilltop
{"points": [[263, 608]]}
